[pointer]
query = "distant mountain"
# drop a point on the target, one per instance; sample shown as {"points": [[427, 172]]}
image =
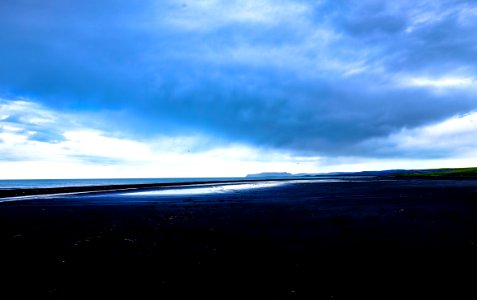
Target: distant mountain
{"points": [[269, 174]]}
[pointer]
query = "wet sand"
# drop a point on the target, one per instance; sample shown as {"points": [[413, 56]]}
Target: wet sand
{"points": [[19, 192], [395, 239]]}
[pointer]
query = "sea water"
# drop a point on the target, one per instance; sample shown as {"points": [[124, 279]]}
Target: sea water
{"points": [[56, 183]]}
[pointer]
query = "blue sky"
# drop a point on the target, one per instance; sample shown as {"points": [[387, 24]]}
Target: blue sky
{"points": [[225, 88]]}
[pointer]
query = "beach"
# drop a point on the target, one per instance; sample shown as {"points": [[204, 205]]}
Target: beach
{"points": [[330, 239]]}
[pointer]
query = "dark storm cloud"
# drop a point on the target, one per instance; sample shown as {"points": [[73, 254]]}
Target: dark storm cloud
{"points": [[410, 36], [312, 78]]}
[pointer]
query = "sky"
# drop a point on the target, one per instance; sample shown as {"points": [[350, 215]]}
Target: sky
{"points": [[208, 88]]}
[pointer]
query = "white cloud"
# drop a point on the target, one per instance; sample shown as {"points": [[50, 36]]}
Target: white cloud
{"points": [[451, 139], [84, 152], [432, 12], [467, 14], [25, 111], [205, 15], [282, 34], [88, 152], [441, 82], [96, 144]]}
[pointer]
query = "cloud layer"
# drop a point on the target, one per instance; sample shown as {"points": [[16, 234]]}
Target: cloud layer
{"points": [[39, 143], [309, 78]]}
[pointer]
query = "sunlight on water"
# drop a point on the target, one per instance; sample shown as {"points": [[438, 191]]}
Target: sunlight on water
{"points": [[206, 189]]}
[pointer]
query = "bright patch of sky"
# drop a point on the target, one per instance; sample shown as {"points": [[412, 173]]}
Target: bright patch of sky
{"points": [[82, 152]]}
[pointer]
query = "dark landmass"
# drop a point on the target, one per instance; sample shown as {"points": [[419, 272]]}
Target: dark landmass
{"points": [[448, 172], [443, 172], [363, 239]]}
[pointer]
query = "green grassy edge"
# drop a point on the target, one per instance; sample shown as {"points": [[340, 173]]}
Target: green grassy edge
{"points": [[443, 172]]}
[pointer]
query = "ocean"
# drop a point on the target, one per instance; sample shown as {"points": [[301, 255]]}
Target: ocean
{"points": [[55, 183]]}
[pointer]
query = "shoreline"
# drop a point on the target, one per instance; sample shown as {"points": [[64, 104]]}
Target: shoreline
{"points": [[67, 190], [23, 192]]}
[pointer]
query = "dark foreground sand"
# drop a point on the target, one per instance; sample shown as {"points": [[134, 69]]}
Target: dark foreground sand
{"points": [[404, 239]]}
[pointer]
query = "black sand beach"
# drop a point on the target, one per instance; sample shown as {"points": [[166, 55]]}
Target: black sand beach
{"points": [[371, 238]]}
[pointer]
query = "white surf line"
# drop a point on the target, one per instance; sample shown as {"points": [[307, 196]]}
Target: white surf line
{"points": [[215, 188], [54, 195], [228, 187], [185, 189], [50, 196]]}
